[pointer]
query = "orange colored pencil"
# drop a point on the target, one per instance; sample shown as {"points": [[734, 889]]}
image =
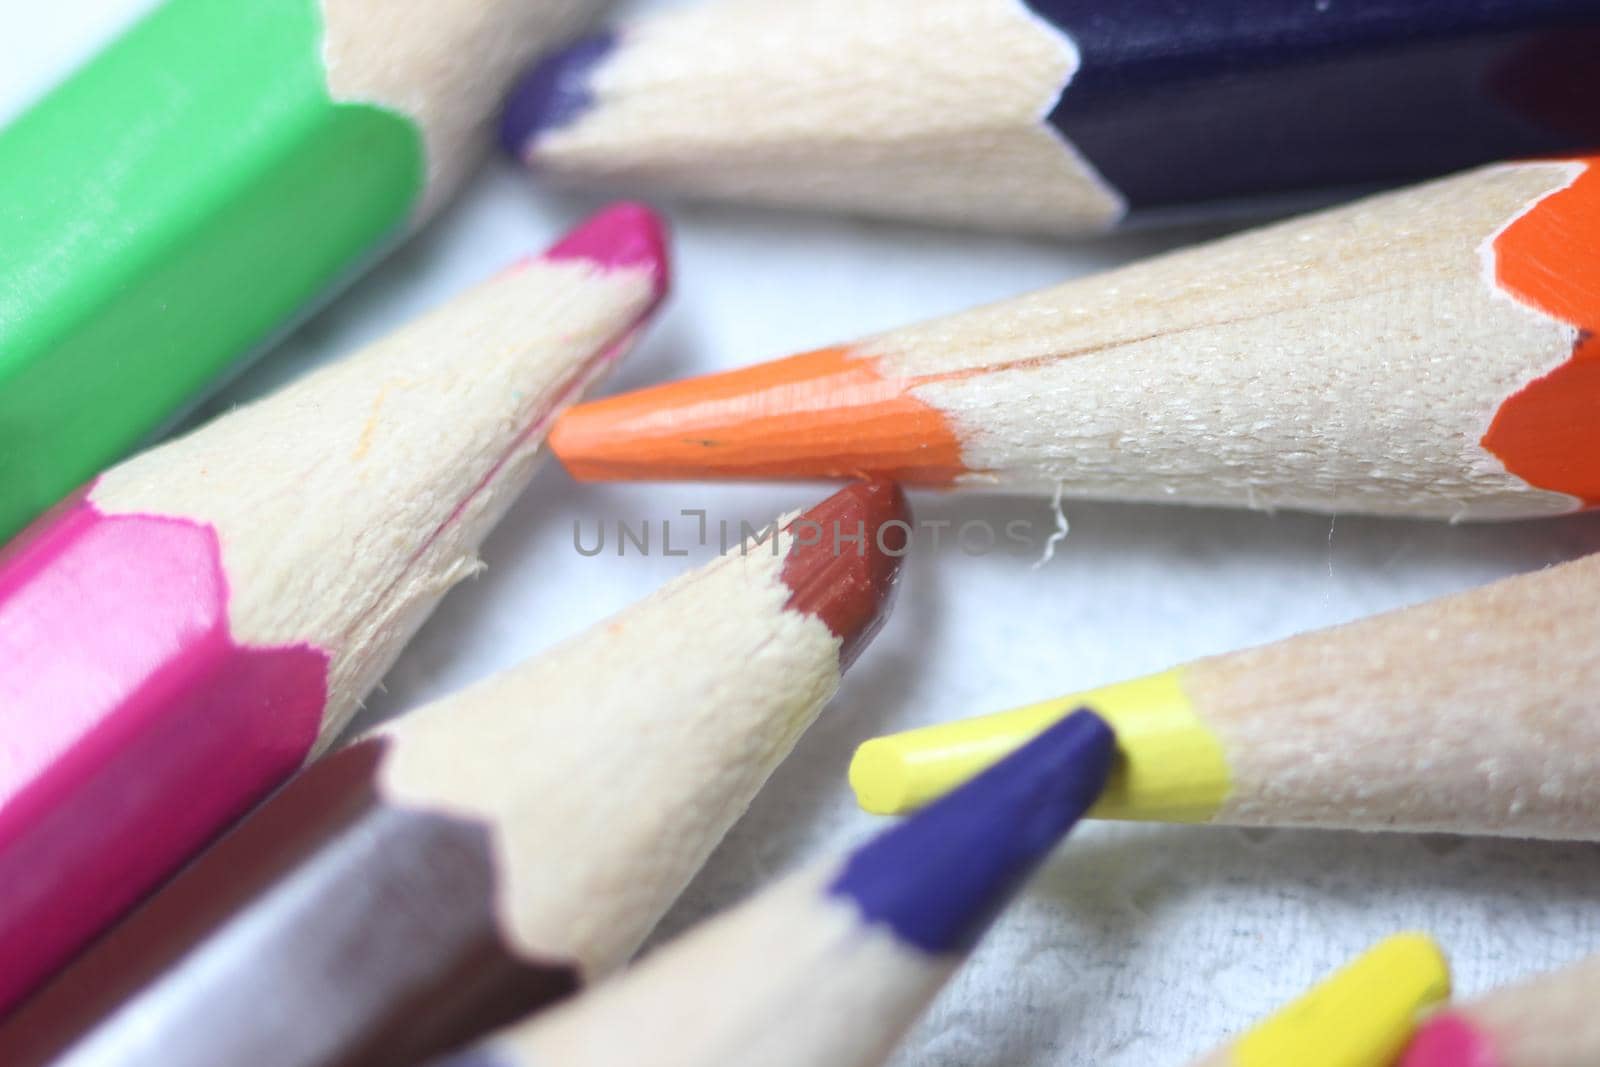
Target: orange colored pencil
{"points": [[1424, 353]]}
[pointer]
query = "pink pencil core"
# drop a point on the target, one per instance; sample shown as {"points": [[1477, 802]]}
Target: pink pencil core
{"points": [[622, 236], [133, 728], [1451, 1041]]}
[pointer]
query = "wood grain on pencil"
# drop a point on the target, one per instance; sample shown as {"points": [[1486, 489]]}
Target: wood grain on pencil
{"points": [[1549, 1021], [1058, 116], [1424, 353], [1471, 714], [202, 618], [488, 853], [831, 965], [213, 173]]}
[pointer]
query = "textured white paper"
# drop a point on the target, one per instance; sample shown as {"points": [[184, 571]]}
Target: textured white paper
{"points": [[1138, 946]]}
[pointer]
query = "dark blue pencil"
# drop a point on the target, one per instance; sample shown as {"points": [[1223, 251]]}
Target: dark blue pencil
{"points": [[1062, 116]]}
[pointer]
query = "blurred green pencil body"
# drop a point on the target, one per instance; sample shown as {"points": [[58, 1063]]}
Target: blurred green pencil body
{"points": [[200, 182]]}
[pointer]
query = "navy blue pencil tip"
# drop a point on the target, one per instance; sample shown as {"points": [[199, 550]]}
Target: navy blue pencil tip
{"points": [[939, 878], [555, 92]]}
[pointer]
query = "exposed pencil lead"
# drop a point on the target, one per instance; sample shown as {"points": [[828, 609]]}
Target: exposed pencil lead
{"points": [[551, 95], [845, 566], [939, 878]]}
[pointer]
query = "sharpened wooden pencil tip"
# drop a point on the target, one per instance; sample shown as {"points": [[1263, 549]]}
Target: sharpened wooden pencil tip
{"points": [[1364, 1013], [552, 94], [825, 414], [939, 878], [880, 779], [621, 236], [845, 562]]}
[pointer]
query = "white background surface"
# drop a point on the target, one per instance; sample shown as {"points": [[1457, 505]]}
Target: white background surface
{"points": [[1137, 945]]}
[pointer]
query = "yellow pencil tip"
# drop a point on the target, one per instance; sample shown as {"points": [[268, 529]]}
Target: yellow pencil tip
{"points": [[1361, 1017], [878, 776], [1170, 765]]}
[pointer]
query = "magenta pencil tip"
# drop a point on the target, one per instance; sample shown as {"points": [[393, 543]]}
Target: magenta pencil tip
{"points": [[622, 236], [1448, 1040]]}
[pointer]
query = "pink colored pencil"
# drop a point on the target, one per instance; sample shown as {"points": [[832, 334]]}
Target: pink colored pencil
{"points": [[196, 623], [1548, 1022]]}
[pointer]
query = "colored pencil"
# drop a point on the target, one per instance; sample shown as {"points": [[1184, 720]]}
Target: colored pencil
{"points": [[1547, 1022], [491, 851], [831, 965], [184, 632], [213, 172], [1360, 1017], [1424, 353], [1058, 116], [1471, 714]]}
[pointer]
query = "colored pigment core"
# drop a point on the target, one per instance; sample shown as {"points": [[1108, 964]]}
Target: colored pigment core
{"points": [[845, 562], [824, 414], [555, 93], [938, 879], [1170, 766], [1360, 1017], [1451, 1041], [1548, 433], [134, 726], [169, 207], [621, 236]]}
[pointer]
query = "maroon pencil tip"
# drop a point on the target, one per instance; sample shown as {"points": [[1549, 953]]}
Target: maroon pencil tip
{"points": [[845, 562], [621, 236]]}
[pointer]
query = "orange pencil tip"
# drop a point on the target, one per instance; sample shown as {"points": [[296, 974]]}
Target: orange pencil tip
{"points": [[821, 415]]}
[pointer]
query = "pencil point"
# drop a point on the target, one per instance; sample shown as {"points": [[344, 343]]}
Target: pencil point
{"points": [[845, 562], [1364, 1013], [621, 236], [1450, 1041], [554, 93], [831, 413], [940, 877], [879, 777]]}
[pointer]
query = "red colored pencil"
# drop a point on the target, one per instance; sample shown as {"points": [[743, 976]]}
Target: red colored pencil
{"points": [[490, 852], [829, 966]]}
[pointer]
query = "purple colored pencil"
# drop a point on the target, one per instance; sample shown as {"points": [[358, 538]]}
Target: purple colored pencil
{"points": [[830, 966]]}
